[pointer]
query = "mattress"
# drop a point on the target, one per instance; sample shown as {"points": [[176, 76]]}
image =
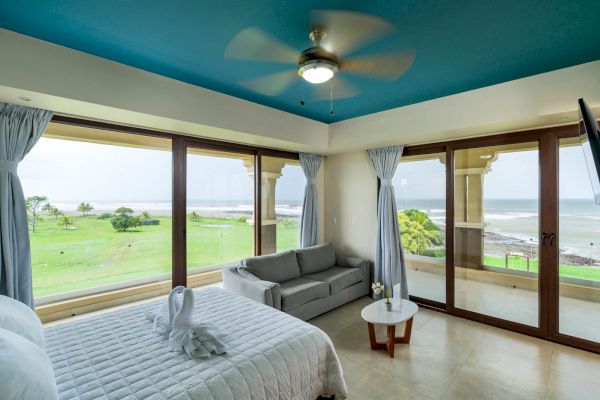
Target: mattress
{"points": [[271, 355]]}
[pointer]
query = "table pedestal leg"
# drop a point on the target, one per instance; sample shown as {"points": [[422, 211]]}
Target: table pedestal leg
{"points": [[392, 339]]}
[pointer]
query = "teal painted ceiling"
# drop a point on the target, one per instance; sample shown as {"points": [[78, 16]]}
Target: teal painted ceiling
{"points": [[459, 45]]}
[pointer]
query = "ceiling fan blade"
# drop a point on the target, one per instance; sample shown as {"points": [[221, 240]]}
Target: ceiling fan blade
{"points": [[255, 44], [347, 30], [383, 66], [342, 89], [272, 84]]}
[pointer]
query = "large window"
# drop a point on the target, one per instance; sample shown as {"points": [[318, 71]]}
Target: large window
{"points": [[282, 193], [106, 207], [420, 188], [220, 205], [99, 210]]}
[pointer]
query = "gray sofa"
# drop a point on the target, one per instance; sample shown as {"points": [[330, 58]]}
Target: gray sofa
{"points": [[304, 283]]}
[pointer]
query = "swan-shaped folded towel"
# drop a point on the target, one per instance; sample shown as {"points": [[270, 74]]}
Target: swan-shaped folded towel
{"points": [[163, 318], [193, 338]]}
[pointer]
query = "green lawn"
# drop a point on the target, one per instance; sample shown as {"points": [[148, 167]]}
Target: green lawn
{"points": [[570, 271], [94, 254]]}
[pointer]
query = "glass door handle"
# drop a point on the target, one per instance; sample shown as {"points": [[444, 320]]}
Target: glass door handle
{"points": [[544, 237], [552, 236]]}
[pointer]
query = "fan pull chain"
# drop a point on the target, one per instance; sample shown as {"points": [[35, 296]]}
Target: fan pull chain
{"points": [[331, 98], [301, 92]]}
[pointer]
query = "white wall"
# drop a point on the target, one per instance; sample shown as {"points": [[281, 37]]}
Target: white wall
{"points": [[351, 198], [540, 100]]}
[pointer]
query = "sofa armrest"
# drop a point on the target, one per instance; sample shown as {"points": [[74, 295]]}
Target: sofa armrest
{"points": [[355, 262], [252, 287], [349, 262]]}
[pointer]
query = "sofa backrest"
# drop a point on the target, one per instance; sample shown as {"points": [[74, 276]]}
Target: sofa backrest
{"points": [[278, 267], [316, 258]]}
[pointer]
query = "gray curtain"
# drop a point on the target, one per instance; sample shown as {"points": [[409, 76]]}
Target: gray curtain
{"points": [[20, 129], [310, 209], [389, 264]]}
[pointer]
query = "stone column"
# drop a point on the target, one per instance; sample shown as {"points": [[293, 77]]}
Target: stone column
{"points": [[470, 167], [271, 171]]}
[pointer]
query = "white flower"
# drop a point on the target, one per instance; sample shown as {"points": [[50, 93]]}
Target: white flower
{"points": [[377, 287]]}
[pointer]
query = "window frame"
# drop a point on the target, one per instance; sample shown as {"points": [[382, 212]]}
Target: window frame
{"points": [[179, 147], [548, 139]]}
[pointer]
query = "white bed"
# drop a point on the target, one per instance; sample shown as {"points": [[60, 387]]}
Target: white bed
{"points": [[271, 356]]}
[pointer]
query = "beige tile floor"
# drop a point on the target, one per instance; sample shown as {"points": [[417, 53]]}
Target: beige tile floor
{"points": [[453, 358], [580, 318]]}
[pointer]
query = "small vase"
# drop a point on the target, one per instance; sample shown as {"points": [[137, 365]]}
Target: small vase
{"points": [[388, 306]]}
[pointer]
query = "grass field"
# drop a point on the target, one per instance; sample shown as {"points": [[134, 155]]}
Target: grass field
{"points": [[94, 254], [572, 271]]}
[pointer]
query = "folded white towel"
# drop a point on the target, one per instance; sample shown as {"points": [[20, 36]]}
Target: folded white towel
{"points": [[163, 318], [193, 338]]}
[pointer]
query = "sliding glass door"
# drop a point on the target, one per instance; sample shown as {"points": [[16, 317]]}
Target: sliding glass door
{"points": [[420, 188], [522, 232], [496, 231], [219, 208], [282, 194], [578, 247], [231, 203]]}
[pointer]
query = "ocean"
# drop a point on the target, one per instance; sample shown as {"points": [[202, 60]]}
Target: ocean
{"points": [[291, 209], [579, 221], [514, 218]]}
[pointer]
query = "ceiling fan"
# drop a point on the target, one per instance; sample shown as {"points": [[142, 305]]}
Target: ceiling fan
{"points": [[335, 34]]}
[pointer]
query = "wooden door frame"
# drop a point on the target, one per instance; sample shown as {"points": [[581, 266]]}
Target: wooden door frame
{"points": [[554, 254], [179, 145], [548, 278], [530, 136]]}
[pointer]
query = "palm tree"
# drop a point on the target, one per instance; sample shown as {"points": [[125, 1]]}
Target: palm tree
{"points": [[194, 216], [65, 221], [146, 216], [47, 207], [85, 208], [55, 212]]}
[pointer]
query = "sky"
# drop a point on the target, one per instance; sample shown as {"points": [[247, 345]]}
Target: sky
{"points": [[66, 170], [512, 176]]}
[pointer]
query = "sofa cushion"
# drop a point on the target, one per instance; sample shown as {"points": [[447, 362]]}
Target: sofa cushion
{"points": [[338, 278], [299, 291], [316, 258], [277, 268]]}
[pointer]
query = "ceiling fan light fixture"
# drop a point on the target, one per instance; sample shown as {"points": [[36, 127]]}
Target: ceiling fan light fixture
{"points": [[317, 71]]}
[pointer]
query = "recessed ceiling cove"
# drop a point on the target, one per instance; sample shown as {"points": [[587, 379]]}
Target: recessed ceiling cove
{"points": [[325, 60]]}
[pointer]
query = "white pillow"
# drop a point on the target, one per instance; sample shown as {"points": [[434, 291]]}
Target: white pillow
{"points": [[25, 371], [20, 319]]}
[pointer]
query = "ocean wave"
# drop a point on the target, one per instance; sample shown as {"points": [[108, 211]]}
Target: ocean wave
{"points": [[510, 215], [165, 207]]}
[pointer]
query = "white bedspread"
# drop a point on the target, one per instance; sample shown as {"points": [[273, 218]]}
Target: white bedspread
{"points": [[271, 355]]}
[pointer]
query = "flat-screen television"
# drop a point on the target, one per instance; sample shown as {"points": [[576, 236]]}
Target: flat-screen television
{"points": [[589, 133]]}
